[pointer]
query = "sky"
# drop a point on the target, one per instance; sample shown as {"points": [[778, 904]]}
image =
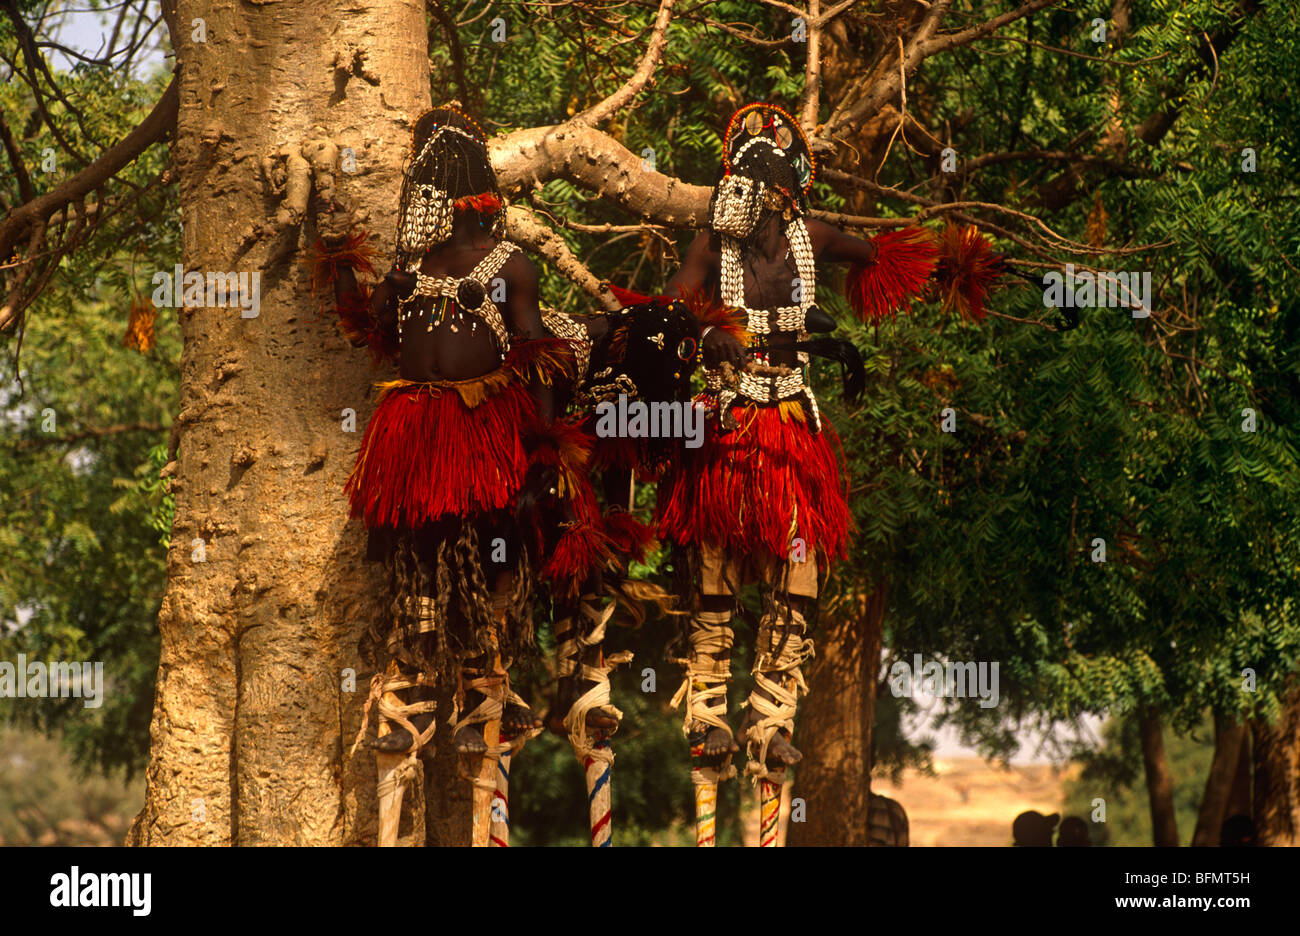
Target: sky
{"points": [[86, 31]]}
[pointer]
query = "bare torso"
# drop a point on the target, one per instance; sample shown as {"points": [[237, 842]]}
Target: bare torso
{"points": [[460, 347], [769, 274]]}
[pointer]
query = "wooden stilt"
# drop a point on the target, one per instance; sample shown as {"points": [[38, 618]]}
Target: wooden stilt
{"points": [[769, 812], [486, 784], [706, 813], [500, 832], [599, 797], [769, 794], [704, 781]]}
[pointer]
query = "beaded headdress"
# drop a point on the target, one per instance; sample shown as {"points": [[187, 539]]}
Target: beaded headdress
{"points": [[448, 170], [765, 154]]}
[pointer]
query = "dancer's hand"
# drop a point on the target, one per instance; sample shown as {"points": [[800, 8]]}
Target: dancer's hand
{"points": [[400, 282], [538, 488], [720, 346]]}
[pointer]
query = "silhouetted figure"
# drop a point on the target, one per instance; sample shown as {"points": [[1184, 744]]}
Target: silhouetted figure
{"points": [[1073, 833], [1237, 832], [1034, 830], [887, 824]]}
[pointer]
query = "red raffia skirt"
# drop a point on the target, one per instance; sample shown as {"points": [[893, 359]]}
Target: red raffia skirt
{"points": [[442, 449], [743, 489]]}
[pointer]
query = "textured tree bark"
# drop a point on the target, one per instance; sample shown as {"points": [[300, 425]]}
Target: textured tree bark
{"points": [[253, 713], [1160, 785], [834, 727], [1218, 785], [1242, 793], [1277, 776]]}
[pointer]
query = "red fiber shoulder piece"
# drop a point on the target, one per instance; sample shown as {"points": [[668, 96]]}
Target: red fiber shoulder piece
{"points": [[708, 313], [628, 297]]}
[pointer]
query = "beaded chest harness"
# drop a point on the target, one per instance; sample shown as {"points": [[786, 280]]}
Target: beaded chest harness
{"points": [[469, 293], [564, 326], [755, 387]]}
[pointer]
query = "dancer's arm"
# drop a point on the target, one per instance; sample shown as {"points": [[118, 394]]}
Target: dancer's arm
{"points": [[831, 245], [383, 300], [694, 271], [524, 318], [702, 259]]}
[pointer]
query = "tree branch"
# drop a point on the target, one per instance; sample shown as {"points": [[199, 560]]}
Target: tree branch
{"points": [[25, 189], [881, 86], [36, 62], [468, 93], [155, 127], [525, 230], [605, 109], [93, 433], [1050, 238], [812, 70], [1064, 189], [1120, 168], [587, 157], [923, 44], [967, 36]]}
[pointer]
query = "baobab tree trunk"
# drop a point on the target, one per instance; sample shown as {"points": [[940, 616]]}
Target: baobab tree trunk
{"points": [[1160, 785], [1277, 775], [267, 592], [834, 727]]}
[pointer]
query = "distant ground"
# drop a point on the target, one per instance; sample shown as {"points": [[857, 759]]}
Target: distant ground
{"points": [[45, 801], [970, 802]]}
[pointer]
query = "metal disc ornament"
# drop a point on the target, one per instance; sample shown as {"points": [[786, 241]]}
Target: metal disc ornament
{"points": [[470, 295], [767, 121]]}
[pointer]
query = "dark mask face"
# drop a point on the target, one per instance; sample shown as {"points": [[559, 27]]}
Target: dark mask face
{"points": [[766, 165], [654, 347], [663, 350]]}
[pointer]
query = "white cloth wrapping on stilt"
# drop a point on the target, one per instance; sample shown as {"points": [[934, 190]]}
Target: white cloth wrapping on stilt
{"points": [[780, 651], [598, 696], [704, 688], [380, 684]]}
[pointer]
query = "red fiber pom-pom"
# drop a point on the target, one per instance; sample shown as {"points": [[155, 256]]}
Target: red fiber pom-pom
{"points": [[905, 259], [562, 444], [352, 307], [548, 359], [354, 251], [581, 550], [629, 536], [968, 270], [617, 452], [353, 310]]}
